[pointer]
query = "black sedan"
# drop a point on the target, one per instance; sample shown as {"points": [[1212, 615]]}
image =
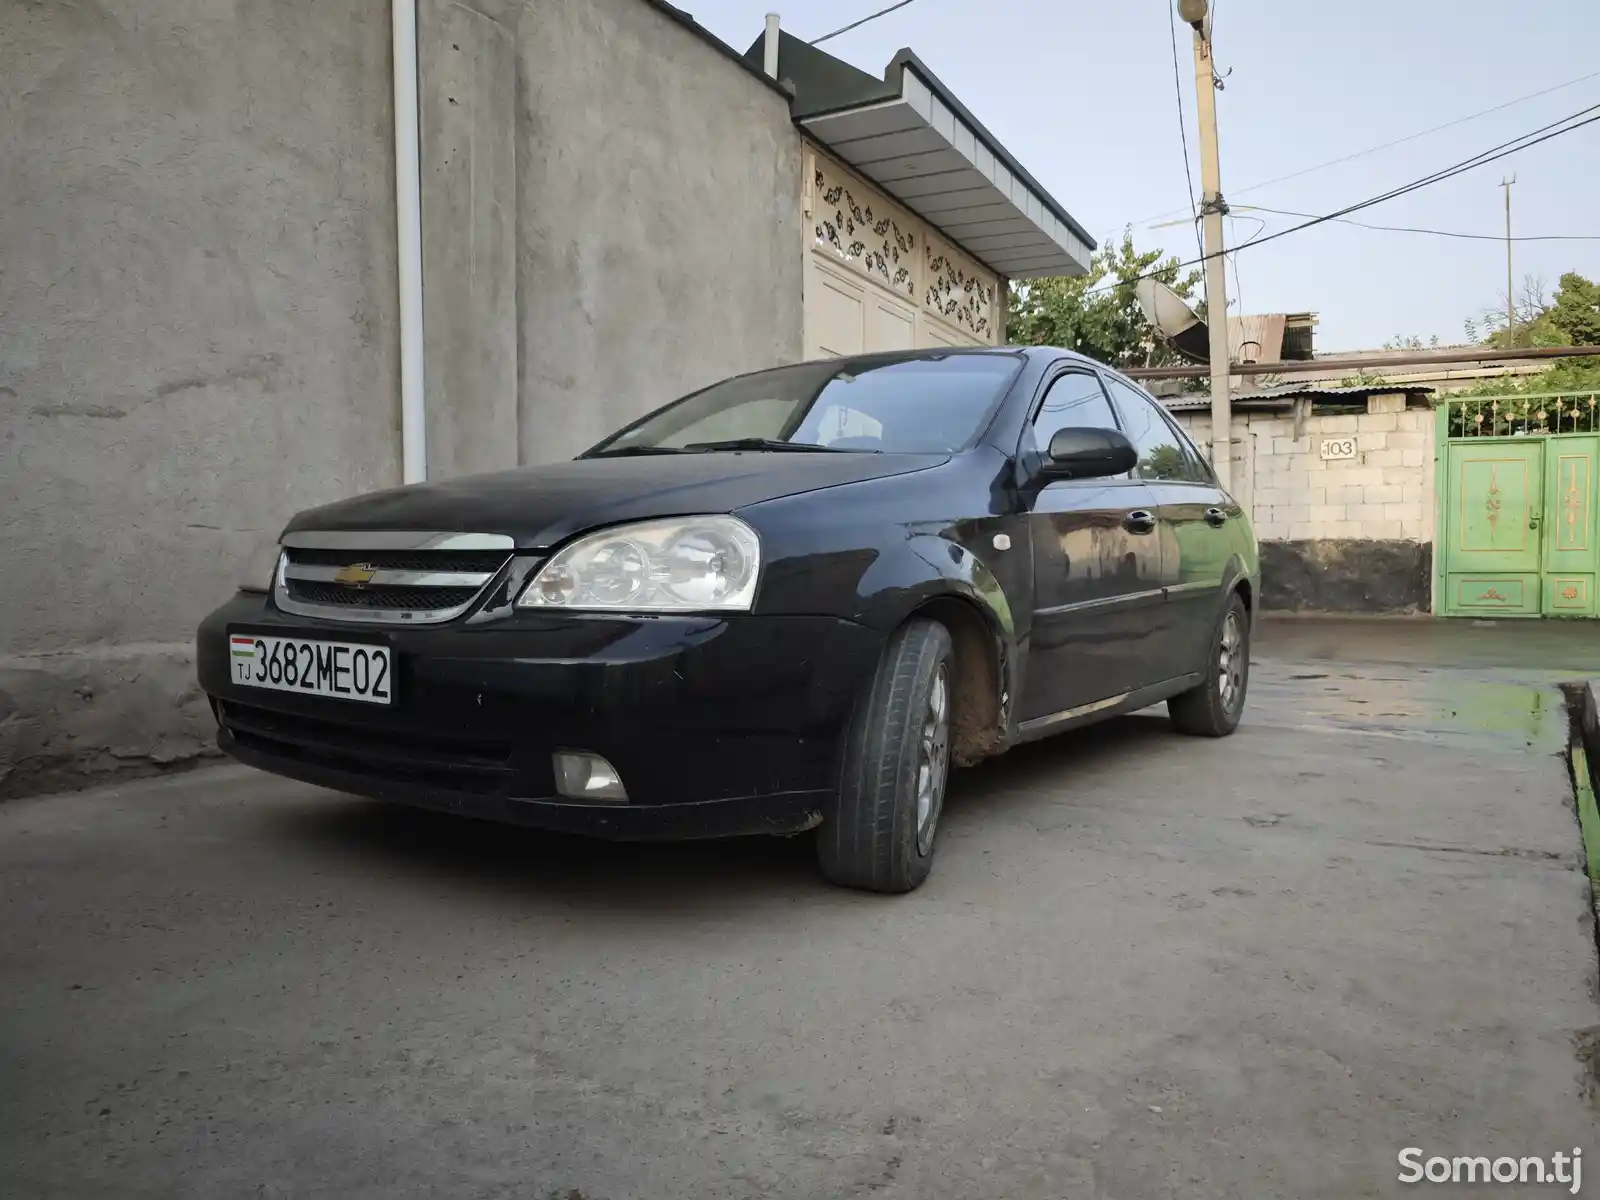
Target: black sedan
{"points": [[788, 602]]}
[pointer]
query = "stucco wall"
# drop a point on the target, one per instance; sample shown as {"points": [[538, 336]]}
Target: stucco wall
{"points": [[198, 297], [659, 242], [1346, 534], [197, 338], [467, 100], [611, 218]]}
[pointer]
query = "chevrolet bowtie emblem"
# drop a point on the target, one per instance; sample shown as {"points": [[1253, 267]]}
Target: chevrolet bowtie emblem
{"points": [[355, 575]]}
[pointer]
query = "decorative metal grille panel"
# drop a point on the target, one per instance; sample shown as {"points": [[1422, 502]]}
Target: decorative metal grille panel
{"points": [[958, 290], [861, 228], [1523, 416]]}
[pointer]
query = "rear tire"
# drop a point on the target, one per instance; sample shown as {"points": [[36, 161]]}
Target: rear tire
{"points": [[1214, 707], [880, 836]]}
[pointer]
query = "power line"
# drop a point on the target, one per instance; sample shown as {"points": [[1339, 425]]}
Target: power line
{"points": [[1183, 126], [1493, 154], [1233, 256], [882, 12], [1211, 36], [1476, 237], [1414, 136], [1410, 137]]}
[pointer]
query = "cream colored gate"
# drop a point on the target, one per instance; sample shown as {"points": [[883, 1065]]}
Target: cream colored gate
{"points": [[877, 277]]}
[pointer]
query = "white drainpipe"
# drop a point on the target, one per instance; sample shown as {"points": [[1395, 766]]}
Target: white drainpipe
{"points": [[769, 51], [408, 214]]}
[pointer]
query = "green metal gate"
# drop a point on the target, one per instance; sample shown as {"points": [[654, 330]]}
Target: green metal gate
{"points": [[1518, 506]]}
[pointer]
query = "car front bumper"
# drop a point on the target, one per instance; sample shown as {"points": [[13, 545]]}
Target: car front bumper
{"points": [[717, 727]]}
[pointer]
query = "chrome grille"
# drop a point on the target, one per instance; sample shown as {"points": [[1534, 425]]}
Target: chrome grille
{"points": [[407, 598], [406, 560], [388, 577]]}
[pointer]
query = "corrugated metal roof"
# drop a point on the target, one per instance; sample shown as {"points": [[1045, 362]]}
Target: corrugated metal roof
{"points": [[1350, 391], [1282, 397], [909, 134]]}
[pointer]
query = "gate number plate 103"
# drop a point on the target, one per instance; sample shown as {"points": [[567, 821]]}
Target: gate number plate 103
{"points": [[1337, 448], [341, 670]]}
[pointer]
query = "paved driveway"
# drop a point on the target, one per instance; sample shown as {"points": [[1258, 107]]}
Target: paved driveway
{"points": [[1145, 966]]}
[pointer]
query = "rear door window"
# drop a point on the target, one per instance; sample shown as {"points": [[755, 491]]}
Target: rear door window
{"points": [[1202, 468]]}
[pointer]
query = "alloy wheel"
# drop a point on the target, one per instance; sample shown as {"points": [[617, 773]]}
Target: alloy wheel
{"points": [[1231, 659], [933, 760]]}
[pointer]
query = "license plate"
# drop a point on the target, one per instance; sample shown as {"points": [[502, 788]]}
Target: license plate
{"points": [[343, 670]]}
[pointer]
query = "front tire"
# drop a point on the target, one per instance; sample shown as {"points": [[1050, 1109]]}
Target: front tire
{"points": [[1214, 707], [880, 836]]}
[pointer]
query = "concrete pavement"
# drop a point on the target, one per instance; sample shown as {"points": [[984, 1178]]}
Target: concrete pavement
{"points": [[1145, 966]]}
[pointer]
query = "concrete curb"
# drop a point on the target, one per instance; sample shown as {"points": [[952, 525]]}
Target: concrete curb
{"points": [[75, 718], [1585, 766]]}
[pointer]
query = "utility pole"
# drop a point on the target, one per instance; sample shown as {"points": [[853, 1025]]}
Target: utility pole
{"points": [[1511, 302], [1196, 14]]}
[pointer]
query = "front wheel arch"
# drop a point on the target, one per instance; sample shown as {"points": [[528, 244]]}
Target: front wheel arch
{"points": [[981, 689], [1247, 593]]}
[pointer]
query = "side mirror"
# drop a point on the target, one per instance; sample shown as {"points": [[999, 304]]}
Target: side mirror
{"points": [[1085, 453]]}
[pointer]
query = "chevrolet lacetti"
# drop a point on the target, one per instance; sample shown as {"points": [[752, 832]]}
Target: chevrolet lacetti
{"points": [[787, 603]]}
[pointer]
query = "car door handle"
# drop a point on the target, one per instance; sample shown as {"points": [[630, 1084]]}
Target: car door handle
{"points": [[1139, 521], [1216, 516]]}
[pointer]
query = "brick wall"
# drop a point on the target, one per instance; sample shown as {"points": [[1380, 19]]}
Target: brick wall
{"points": [[1348, 521]]}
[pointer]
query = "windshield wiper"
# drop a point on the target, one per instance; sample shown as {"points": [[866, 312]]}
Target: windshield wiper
{"points": [[623, 451], [771, 444]]}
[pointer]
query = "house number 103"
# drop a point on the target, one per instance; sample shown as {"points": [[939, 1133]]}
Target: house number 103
{"points": [[1337, 448]]}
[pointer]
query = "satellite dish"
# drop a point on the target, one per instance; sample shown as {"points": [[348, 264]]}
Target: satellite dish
{"points": [[1171, 317]]}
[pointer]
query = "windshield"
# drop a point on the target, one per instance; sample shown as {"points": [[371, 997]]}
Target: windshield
{"points": [[906, 406]]}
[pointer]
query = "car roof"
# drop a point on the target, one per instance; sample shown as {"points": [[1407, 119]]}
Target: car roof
{"points": [[1034, 353], [1052, 353]]}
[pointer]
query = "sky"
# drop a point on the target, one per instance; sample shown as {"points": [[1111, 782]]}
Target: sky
{"points": [[1082, 93]]}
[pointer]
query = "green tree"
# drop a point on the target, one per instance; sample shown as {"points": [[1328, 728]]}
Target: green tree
{"points": [[1108, 324], [1528, 328], [1575, 311], [1567, 375], [1569, 318]]}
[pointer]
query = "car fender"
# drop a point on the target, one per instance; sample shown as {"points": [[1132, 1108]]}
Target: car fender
{"points": [[932, 568], [1238, 571]]}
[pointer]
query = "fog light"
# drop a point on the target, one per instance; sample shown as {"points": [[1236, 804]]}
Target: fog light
{"points": [[582, 776]]}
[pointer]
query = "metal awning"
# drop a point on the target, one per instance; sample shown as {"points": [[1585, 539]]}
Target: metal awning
{"points": [[910, 136]]}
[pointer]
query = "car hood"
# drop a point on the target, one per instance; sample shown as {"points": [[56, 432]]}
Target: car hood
{"points": [[540, 506]]}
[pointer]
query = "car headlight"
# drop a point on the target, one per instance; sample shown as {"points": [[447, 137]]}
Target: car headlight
{"points": [[261, 568], [680, 564]]}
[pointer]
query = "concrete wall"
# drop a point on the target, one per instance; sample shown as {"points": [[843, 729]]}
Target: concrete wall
{"points": [[660, 242], [198, 297], [197, 338], [611, 218], [1343, 535], [467, 96]]}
